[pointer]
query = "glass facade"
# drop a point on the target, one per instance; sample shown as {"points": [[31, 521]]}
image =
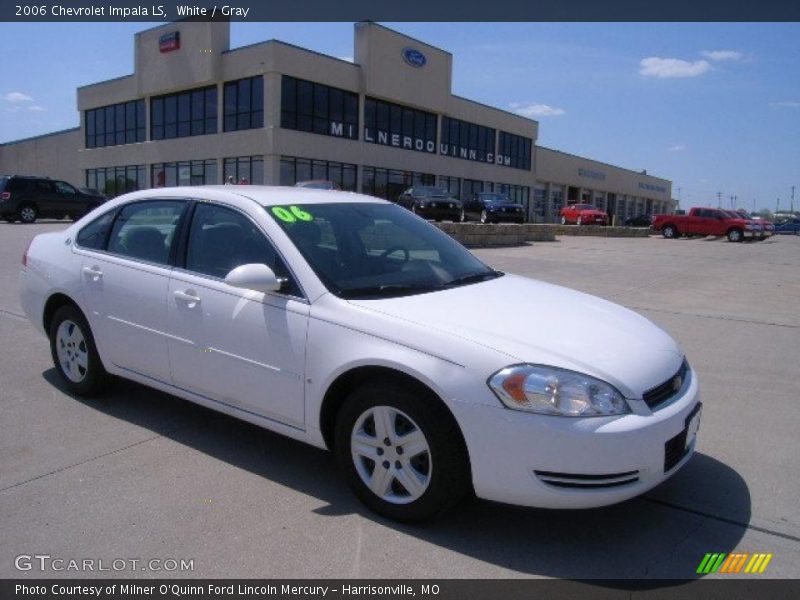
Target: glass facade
{"points": [[539, 200], [115, 124], [514, 151], [318, 108], [390, 183], [243, 104], [399, 126], [467, 140], [193, 112], [556, 200], [244, 169], [113, 181], [294, 170], [189, 172]]}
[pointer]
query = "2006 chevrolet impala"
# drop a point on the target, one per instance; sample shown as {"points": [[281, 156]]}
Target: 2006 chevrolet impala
{"points": [[352, 324]]}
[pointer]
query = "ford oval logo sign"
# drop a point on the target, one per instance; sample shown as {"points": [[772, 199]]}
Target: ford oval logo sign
{"points": [[414, 57]]}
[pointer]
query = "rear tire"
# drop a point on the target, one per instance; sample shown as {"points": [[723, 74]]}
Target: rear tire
{"points": [[670, 232], [484, 217], [75, 353], [563, 220], [376, 428], [28, 213]]}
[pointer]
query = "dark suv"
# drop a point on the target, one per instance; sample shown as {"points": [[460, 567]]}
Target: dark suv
{"points": [[24, 198], [431, 202]]}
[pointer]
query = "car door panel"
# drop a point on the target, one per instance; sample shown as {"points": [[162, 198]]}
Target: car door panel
{"points": [[125, 286], [240, 347], [243, 348]]}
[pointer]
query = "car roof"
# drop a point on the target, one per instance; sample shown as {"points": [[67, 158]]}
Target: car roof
{"points": [[265, 195]]}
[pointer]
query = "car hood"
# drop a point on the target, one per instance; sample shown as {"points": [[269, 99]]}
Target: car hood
{"points": [[536, 322], [592, 212]]}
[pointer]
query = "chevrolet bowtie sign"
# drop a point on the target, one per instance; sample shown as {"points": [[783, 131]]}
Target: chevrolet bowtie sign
{"points": [[169, 41]]}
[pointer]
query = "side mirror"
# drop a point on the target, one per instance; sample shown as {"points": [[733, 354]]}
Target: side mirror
{"points": [[256, 277]]}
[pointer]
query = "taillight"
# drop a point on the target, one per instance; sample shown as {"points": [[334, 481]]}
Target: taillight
{"points": [[25, 254], [5, 196]]}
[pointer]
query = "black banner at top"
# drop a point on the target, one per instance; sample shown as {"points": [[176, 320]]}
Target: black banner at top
{"points": [[398, 10]]}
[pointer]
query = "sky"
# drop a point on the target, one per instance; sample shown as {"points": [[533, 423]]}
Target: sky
{"points": [[713, 107]]}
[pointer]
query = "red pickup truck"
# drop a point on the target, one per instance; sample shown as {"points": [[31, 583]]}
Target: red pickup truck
{"points": [[704, 221]]}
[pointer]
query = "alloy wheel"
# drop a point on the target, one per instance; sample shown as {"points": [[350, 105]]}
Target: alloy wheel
{"points": [[391, 454], [73, 354]]}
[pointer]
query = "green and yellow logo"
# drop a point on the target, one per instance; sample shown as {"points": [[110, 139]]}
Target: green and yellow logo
{"points": [[735, 562]]}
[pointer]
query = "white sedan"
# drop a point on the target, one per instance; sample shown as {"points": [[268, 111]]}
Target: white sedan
{"points": [[349, 323]]}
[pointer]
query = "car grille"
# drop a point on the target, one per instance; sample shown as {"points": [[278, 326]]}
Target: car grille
{"points": [[660, 394], [587, 482], [675, 448]]}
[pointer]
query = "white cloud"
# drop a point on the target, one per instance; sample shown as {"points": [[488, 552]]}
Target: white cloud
{"points": [[722, 54], [676, 148], [663, 68], [785, 104], [16, 97], [531, 109], [36, 108]]}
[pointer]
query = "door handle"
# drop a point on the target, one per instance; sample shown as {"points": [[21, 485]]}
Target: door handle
{"points": [[93, 272], [190, 299]]}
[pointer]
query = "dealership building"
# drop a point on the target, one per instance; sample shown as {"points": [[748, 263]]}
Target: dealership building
{"points": [[197, 112]]}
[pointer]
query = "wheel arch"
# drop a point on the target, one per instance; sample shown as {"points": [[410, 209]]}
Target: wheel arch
{"points": [[349, 380], [53, 303]]}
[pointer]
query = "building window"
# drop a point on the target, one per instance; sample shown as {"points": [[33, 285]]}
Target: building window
{"points": [[193, 112], [317, 108], [390, 183], [113, 181], [467, 140], [556, 199], [115, 125], [451, 184], [244, 170], [399, 126], [189, 172], [244, 104], [539, 199], [514, 151], [294, 170]]}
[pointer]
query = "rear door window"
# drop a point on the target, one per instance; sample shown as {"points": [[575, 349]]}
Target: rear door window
{"points": [[145, 230]]}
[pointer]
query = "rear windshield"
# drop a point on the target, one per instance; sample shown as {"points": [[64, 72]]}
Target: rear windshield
{"points": [[3, 181]]}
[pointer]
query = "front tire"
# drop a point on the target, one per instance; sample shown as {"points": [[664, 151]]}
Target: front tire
{"points": [[75, 353], [401, 452], [563, 220], [484, 217]]}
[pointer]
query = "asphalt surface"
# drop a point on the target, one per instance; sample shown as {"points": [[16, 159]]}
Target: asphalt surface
{"points": [[143, 475]]}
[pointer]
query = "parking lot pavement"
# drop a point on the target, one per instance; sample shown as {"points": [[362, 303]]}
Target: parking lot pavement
{"points": [[141, 475]]}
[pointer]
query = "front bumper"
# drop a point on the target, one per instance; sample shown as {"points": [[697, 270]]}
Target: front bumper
{"points": [[544, 461], [439, 213]]}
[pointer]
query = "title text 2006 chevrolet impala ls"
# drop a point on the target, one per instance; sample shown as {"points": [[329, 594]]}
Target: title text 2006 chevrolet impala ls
{"points": [[350, 323]]}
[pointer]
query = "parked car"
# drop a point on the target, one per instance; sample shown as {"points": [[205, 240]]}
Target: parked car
{"points": [[488, 207], [788, 225], [583, 214], [639, 221], [431, 202], [25, 198], [349, 324], [704, 221], [318, 184]]}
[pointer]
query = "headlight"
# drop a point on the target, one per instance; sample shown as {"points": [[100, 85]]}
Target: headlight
{"points": [[554, 391]]}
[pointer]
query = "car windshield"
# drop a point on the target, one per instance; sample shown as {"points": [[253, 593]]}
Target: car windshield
{"points": [[584, 207], [372, 250], [495, 198], [430, 191]]}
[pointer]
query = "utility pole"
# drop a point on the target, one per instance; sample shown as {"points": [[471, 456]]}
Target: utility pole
{"points": [[735, 202], [719, 199], [792, 205], [731, 201]]}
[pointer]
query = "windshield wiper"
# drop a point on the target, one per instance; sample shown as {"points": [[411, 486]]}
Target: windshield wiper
{"points": [[473, 278], [388, 290]]}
